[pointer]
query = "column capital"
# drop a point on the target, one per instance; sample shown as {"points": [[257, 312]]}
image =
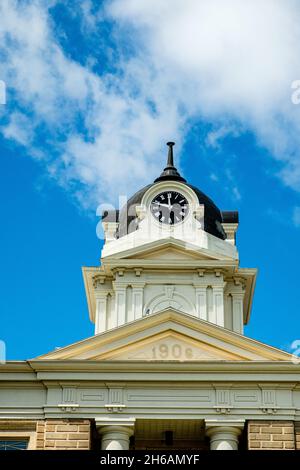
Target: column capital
{"points": [[237, 294], [102, 293], [218, 285], [137, 284], [115, 434], [116, 429], [224, 434], [214, 423], [120, 285]]}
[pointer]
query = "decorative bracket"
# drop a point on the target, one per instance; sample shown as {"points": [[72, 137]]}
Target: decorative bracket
{"points": [[223, 411], [115, 408], [98, 279], [269, 411], [68, 408]]}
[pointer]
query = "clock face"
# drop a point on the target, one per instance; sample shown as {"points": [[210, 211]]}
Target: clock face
{"points": [[169, 207]]}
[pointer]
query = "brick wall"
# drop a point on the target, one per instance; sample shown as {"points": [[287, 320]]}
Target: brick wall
{"points": [[271, 435], [297, 435], [66, 434]]}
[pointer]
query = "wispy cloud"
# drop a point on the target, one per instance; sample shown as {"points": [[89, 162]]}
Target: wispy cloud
{"points": [[100, 132]]}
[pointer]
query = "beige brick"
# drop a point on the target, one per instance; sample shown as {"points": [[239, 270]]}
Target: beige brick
{"points": [[49, 443], [67, 427], [266, 430], [272, 445], [56, 435], [254, 444], [50, 427], [262, 423], [40, 444], [277, 430], [84, 428], [286, 437], [54, 421], [289, 445], [79, 435], [76, 421], [253, 428], [83, 444], [263, 437], [66, 444], [281, 423], [289, 430]]}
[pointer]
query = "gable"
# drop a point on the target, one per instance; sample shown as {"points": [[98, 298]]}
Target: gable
{"points": [[169, 336], [170, 254], [169, 346], [172, 249]]}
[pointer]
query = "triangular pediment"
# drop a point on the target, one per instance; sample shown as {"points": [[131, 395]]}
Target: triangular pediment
{"points": [[169, 336], [169, 249], [170, 254]]}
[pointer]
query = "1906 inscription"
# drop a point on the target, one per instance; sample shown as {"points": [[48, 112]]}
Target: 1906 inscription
{"points": [[172, 351]]}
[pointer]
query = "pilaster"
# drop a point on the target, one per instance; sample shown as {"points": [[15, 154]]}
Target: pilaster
{"points": [[218, 286], [237, 294], [137, 299], [120, 302], [101, 311]]}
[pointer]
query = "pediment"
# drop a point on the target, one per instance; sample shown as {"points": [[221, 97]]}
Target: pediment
{"points": [[170, 254], [168, 336], [170, 249], [169, 346]]}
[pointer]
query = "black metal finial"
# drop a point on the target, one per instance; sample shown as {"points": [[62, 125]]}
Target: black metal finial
{"points": [[170, 172], [170, 162]]}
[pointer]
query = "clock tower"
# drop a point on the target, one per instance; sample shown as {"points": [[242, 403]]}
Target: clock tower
{"points": [[168, 366], [170, 246]]}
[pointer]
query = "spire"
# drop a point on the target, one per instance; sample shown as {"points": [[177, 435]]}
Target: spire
{"points": [[170, 172], [170, 162]]}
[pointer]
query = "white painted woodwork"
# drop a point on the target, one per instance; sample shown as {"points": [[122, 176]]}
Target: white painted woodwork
{"points": [[237, 311], [115, 437], [201, 302], [223, 437]]}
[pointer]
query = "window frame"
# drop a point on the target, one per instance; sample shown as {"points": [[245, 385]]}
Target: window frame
{"points": [[18, 435]]}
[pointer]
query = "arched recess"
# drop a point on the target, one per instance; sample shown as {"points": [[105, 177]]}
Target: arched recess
{"points": [[167, 299]]}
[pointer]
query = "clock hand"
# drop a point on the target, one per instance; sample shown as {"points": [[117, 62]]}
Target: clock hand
{"points": [[165, 205]]}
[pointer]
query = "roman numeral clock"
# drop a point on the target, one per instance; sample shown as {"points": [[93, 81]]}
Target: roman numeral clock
{"points": [[169, 207]]}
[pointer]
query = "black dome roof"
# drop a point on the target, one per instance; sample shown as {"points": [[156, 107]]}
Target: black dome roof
{"points": [[213, 217]]}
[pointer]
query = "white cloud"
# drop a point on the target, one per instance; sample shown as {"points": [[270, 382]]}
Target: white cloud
{"points": [[228, 62], [19, 129], [235, 61]]}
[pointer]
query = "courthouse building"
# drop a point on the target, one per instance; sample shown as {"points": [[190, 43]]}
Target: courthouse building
{"points": [[169, 366]]}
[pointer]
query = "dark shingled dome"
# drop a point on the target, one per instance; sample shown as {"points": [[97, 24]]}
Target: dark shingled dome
{"points": [[213, 217]]}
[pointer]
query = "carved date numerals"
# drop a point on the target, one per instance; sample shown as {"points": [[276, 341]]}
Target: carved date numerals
{"points": [[175, 351]]}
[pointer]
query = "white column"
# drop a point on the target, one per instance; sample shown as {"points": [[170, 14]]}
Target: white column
{"points": [[201, 302], [120, 303], [224, 436], [115, 437], [101, 312], [218, 304], [237, 311], [137, 300]]}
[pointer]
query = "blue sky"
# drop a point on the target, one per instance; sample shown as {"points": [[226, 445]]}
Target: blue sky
{"points": [[93, 93]]}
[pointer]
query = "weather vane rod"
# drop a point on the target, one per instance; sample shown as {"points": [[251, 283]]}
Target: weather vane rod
{"points": [[170, 162]]}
